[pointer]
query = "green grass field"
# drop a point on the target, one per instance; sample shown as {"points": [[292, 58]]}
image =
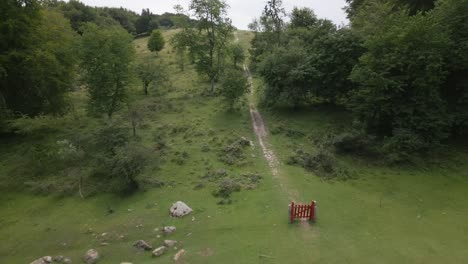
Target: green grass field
{"points": [[385, 215]]}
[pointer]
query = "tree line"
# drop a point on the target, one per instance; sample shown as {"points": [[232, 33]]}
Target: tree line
{"points": [[400, 68]]}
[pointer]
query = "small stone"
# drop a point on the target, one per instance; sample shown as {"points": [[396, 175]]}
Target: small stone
{"points": [[126, 263], [179, 255], [47, 259], [104, 244], [169, 229], [169, 243], [156, 229], [159, 251], [91, 256], [141, 244], [67, 261]]}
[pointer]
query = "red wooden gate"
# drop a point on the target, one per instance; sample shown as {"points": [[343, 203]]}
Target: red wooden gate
{"points": [[302, 211]]}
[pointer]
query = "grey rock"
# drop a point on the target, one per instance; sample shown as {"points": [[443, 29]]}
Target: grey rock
{"points": [[91, 256], [58, 258], [159, 251], [43, 260], [169, 243], [179, 255], [67, 261], [169, 229], [141, 244]]}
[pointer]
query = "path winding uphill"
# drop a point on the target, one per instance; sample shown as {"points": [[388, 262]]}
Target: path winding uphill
{"points": [[262, 135]]}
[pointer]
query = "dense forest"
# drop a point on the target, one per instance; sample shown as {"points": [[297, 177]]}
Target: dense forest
{"points": [[400, 68]]}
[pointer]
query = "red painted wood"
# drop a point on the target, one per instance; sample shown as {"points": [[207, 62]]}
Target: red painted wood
{"points": [[291, 212]]}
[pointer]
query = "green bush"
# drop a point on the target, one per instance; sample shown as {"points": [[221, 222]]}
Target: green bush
{"points": [[226, 188]]}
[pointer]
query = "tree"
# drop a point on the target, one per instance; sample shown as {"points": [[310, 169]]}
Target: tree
{"points": [[36, 59], [286, 74], [272, 18], [150, 71], [399, 79], [303, 18], [237, 54], [234, 86], [156, 41], [78, 13], [106, 57], [144, 23], [214, 31]]}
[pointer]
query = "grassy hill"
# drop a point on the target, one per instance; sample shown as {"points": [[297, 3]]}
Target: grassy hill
{"points": [[382, 215]]}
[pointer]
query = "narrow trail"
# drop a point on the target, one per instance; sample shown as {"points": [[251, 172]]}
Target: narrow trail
{"points": [[261, 131]]}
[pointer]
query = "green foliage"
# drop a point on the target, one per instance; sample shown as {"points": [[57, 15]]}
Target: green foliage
{"points": [[106, 57], [237, 54], [37, 59], [208, 44], [149, 70], [156, 41], [399, 80], [234, 86], [285, 72], [303, 18], [128, 162]]}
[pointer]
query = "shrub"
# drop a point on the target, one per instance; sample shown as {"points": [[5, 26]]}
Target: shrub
{"points": [[124, 167], [226, 188], [234, 152], [403, 146], [322, 163], [352, 143]]}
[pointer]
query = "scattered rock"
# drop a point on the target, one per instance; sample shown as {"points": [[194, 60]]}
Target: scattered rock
{"points": [[159, 251], [169, 243], [126, 263], [141, 244], [169, 229], [179, 255], [91, 256], [180, 209], [104, 244], [66, 261], [43, 260], [58, 258]]}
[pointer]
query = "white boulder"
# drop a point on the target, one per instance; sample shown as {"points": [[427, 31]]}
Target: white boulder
{"points": [[179, 209]]}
